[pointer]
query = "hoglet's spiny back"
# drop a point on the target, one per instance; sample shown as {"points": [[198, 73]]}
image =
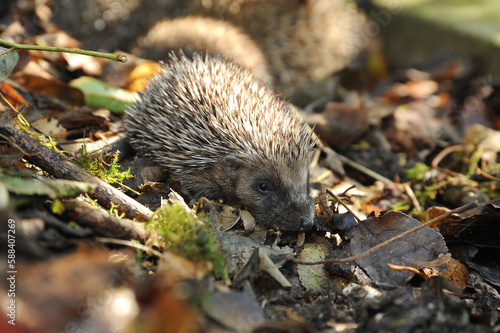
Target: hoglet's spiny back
{"points": [[226, 135]]}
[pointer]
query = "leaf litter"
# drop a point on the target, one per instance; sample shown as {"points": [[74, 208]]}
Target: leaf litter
{"points": [[405, 123]]}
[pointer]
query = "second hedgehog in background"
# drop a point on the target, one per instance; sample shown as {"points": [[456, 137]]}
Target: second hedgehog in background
{"points": [[304, 40], [198, 34]]}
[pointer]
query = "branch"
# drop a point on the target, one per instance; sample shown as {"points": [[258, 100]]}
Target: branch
{"points": [[385, 243], [61, 167], [110, 56], [103, 223]]}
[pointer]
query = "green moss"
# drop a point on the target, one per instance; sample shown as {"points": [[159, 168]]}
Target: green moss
{"points": [[113, 210], [425, 186], [110, 173], [418, 171], [139, 252], [402, 205], [74, 225], [181, 232]]}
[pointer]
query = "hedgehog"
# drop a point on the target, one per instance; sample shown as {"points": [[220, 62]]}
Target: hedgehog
{"points": [[304, 40], [227, 136], [207, 35]]}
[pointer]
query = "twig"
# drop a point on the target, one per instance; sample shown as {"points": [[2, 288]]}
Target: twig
{"points": [[110, 56], [486, 175], [439, 157], [412, 197], [53, 221], [343, 204], [101, 222], [21, 118], [131, 244], [365, 170], [60, 167], [385, 243]]}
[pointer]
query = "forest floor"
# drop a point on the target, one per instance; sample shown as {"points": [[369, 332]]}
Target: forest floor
{"points": [[415, 151]]}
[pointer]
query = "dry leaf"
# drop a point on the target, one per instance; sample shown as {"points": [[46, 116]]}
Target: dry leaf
{"points": [[315, 277], [339, 124], [423, 245]]}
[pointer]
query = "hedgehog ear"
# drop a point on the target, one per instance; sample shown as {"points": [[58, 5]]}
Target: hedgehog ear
{"points": [[231, 165]]}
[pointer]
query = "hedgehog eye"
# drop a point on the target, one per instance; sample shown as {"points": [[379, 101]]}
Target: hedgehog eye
{"points": [[264, 187]]}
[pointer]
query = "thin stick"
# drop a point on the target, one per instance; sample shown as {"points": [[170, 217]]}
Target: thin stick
{"points": [[412, 197], [110, 56], [364, 169], [7, 51], [21, 118], [343, 204], [381, 245], [442, 154], [102, 222], [485, 175], [129, 243], [61, 167]]}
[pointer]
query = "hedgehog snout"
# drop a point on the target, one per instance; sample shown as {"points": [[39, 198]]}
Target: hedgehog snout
{"points": [[305, 223], [300, 213]]}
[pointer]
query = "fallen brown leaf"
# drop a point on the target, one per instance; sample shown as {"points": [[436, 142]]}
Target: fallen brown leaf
{"points": [[423, 245]]}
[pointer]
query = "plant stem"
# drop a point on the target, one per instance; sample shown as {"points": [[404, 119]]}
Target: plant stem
{"points": [[110, 56]]}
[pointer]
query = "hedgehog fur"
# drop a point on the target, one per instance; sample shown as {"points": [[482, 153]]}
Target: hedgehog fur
{"points": [[207, 35], [226, 135], [304, 40]]}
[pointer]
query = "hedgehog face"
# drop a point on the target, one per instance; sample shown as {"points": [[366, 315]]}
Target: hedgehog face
{"points": [[276, 195]]}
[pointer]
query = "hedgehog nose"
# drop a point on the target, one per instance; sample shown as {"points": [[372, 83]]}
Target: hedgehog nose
{"points": [[305, 223]]}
